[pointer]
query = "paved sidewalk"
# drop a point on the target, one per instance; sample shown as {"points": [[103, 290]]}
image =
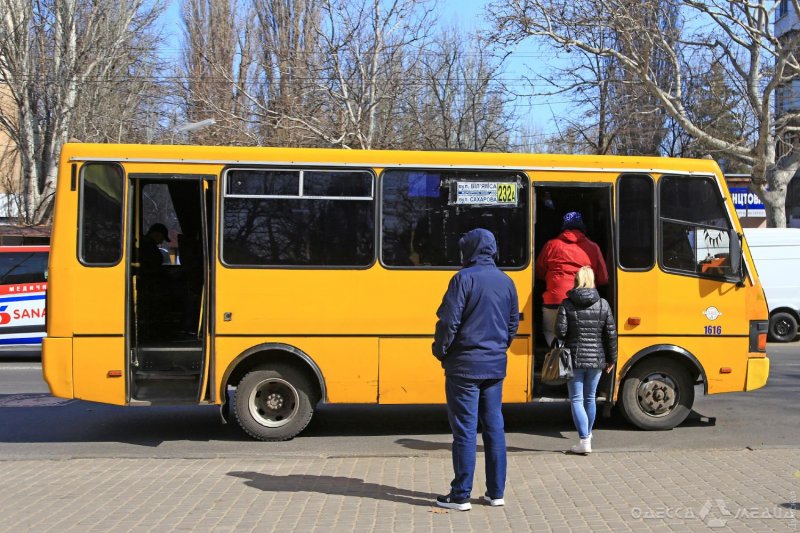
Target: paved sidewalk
{"points": [[739, 490]]}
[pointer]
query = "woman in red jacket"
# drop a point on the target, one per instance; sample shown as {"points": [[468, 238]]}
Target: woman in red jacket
{"points": [[560, 260]]}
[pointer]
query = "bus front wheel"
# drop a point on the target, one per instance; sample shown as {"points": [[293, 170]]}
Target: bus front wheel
{"points": [[657, 394], [274, 404]]}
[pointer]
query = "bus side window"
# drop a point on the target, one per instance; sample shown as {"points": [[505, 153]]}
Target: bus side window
{"points": [[422, 222], [100, 223], [694, 227], [636, 217]]}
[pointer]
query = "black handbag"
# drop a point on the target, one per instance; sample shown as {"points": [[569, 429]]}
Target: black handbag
{"points": [[557, 367]]}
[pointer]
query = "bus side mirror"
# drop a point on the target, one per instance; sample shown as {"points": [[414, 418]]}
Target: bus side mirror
{"points": [[736, 254]]}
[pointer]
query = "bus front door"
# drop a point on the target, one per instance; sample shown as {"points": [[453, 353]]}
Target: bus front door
{"points": [[553, 200], [167, 326]]}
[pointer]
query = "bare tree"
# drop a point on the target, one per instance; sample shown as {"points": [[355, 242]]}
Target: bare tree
{"points": [[611, 112], [528, 137], [49, 51], [125, 103], [250, 64], [217, 64], [365, 45], [347, 73], [459, 102], [288, 57], [640, 121], [589, 126], [713, 105], [736, 35]]}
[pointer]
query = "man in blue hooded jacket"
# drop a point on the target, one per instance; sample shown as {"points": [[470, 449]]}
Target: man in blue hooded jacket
{"points": [[478, 319]]}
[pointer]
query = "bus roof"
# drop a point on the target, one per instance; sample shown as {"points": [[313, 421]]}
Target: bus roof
{"points": [[74, 152]]}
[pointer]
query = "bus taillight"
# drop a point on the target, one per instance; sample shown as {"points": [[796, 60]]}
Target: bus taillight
{"points": [[758, 336]]}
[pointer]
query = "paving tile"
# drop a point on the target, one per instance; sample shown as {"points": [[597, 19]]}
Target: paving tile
{"points": [[683, 491]]}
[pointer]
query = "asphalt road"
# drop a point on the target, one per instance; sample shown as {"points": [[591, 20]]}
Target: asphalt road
{"points": [[35, 425]]}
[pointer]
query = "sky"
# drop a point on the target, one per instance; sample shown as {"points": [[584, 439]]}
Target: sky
{"points": [[537, 112]]}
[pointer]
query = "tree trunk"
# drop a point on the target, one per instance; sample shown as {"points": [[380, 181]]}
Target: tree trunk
{"points": [[776, 213], [773, 187]]}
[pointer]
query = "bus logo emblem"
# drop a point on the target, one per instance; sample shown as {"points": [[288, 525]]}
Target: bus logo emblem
{"points": [[712, 313]]}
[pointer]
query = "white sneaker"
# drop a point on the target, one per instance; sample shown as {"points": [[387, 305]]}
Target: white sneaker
{"points": [[494, 502], [583, 447]]}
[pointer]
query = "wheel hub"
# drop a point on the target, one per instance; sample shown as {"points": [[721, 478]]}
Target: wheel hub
{"points": [[274, 401], [782, 327], [657, 394]]}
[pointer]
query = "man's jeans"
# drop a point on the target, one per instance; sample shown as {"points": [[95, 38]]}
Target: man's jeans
{"points": [[467, 401], [582, 390]]}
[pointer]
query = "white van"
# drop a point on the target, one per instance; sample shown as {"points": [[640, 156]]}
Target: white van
{"points": [[776, 252]]}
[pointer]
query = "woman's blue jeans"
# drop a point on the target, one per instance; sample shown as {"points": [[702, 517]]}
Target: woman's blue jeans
{"points": [[469, 400], [582, 396]]}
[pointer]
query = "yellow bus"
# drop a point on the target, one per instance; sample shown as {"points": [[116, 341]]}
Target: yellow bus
{"points": [[299, 276]]}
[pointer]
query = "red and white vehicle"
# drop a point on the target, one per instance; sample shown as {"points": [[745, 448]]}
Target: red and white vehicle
{"points": [[23, 282]]}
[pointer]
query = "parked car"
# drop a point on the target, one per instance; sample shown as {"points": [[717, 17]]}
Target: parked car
{"points": [[23, 283], [776, 252]]}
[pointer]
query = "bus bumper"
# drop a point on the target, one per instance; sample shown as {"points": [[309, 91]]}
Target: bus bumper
{"points": [[57, 366], [757, 373]]}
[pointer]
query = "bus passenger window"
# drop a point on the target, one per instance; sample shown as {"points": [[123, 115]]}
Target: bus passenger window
{"points": [[695, 229], [425, 213], [635, 215], [100, 235], [322, 218]]}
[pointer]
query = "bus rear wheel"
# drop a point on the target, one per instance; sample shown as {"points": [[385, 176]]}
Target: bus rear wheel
{"points": [[657, 394], [274, 404]]}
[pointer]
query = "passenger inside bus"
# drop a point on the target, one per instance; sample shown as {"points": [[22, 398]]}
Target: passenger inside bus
{"points": [[552, 202], [152, 255], [558, 263]]}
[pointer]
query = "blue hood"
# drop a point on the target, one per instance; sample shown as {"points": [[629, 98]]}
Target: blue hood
{"points": [[477, 246]]}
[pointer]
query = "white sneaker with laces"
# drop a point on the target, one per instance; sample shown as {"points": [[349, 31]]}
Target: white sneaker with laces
{"points": [[494, 502]]}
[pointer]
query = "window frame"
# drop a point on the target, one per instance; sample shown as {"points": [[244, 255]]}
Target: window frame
{"points": [[297, 168], [656, 224], [715, 183], [81, 198], [528, 216]]}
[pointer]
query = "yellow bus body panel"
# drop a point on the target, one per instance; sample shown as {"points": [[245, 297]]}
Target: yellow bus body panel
{"points": [[375, 301], [93, 358], [57, 365], [349, 365], [713, 354], [413, 375], [263, 301]]}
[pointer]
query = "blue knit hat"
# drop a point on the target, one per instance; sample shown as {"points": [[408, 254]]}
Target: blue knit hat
{"points": [[573, 220]]}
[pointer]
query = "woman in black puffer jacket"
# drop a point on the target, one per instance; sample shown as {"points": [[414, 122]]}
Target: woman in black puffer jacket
{"points": [[586, 324]]}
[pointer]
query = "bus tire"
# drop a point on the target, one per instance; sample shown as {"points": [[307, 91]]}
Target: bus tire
{"points": [[782, 327], [274, 404], [657, 394]]}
